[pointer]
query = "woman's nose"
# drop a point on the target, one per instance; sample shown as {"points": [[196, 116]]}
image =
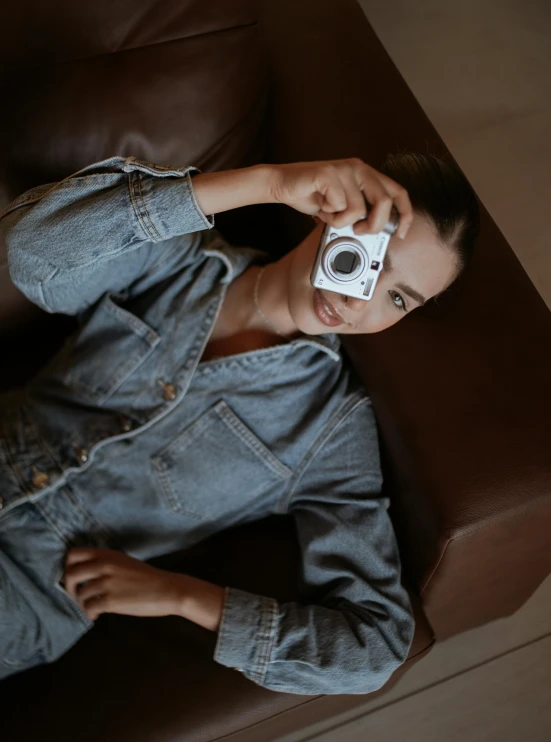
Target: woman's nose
{"points": [[355, 305]]}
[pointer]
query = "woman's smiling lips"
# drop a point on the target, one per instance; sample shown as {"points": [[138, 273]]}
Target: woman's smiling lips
{"points": [[325, 311]]}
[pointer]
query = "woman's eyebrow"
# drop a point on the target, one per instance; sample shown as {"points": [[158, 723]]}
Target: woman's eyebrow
{"points": [[387, 267], [411, 292]]}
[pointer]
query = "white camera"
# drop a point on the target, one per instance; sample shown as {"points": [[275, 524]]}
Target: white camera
{"points": [[350, 264]]}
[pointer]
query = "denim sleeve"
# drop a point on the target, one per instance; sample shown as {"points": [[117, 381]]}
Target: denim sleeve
{"points": [[354, 626], [70, 242]]}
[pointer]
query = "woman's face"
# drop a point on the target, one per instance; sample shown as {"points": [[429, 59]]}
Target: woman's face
{"points": [[416, 269]]}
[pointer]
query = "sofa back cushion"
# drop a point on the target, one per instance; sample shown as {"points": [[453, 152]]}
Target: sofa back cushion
{"points": [[177, 82], [174, 82]]}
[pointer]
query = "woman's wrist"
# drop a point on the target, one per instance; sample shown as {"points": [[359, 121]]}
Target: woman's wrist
{"points": [[230, 189], [199, 601]]}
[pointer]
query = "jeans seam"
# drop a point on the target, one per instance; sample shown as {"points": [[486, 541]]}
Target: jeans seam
{"points": [[269, 642], [144, 204], [134, 200]]}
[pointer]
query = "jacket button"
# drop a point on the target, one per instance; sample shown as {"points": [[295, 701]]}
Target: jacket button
{"points": [[125, 423], [169, 391], [82, 454], [40, 479]]}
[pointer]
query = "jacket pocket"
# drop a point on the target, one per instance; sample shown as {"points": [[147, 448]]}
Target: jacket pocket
{"points": [[108, 349], [217, 466]]}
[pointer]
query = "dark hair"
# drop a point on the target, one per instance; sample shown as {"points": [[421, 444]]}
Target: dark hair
{"points": [[441, 193]]}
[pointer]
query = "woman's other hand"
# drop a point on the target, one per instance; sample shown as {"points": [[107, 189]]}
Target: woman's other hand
{"points": [[336, 191], [105, 581]]}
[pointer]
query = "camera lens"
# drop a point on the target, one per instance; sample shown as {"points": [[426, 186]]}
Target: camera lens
{"points": [[345, 262]]}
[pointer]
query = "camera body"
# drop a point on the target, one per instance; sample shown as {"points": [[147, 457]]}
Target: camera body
{"points": [[350, 264]]}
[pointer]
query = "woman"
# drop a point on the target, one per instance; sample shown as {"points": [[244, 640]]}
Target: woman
{"points": [[206, 389]]}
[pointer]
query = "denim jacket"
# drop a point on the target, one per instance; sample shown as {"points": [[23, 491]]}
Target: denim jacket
{"points": [[126, 439]]}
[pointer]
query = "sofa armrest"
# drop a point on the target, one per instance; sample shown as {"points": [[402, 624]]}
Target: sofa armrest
{"points": [[462, 390]]}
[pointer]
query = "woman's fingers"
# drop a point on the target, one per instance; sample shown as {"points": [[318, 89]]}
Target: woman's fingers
{"points": [[379, 213], [86, 563], [82, 554], [346, 186], [340, 193], [333, 192], [95, 606], [354, 207], [402, 203], [91, 589], [383, 194], [342, 204], [80, 572]]}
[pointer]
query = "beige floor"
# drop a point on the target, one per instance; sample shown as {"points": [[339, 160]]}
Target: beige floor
{"points": [[481, 69], [492, 684]]}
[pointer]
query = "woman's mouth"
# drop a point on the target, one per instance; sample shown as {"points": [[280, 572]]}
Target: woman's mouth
{"points": [[325, 311]]}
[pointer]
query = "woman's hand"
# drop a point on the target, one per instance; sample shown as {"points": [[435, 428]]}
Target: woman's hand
{"points": [[336, 191], [105, 581]]}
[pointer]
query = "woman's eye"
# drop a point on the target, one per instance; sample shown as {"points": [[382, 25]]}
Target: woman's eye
{"points": [[398, 300]]}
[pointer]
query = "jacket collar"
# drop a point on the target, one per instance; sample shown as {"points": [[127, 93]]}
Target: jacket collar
{"points": [[237, 259]]}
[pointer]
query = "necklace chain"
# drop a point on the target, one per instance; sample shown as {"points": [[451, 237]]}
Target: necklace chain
{"points": [[259, 311]]}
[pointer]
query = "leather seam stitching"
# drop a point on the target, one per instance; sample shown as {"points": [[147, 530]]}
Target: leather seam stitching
{"points": [[106, 54]]}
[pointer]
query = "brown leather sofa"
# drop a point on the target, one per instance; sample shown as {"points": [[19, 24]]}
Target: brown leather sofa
{"points": [[462, 389]]}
